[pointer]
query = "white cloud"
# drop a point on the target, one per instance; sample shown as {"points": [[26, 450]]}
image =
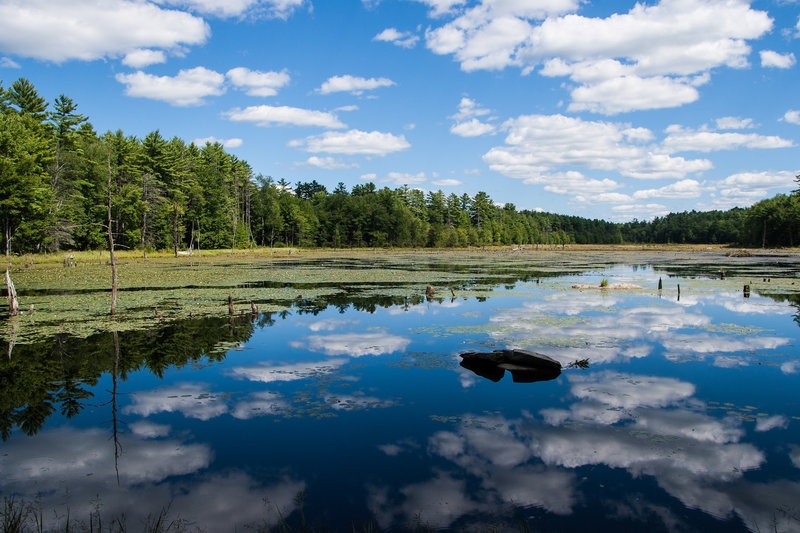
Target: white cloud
{"points": [[632, 93], [639, 211], [404, 39], [471, 128], [541, 144], [353, 84], [404, 178], [447, 182], [734, 123], [441, 7], [792, 117], [143, 57], [469, 108], [87, 30], [270, 373], [679, 189], [653, 56], [238, 8], [772, 422], [353, 142], [187, 88], [467, 125], [234, 142], [257, 83], [7, 62], [190, 399], [572, 182], [148, 430], [760, 180], [771, 59], [266, 115], [681, 139], [263, 403], [746, 188], [331, 324], [328, 163], [353, 344]]}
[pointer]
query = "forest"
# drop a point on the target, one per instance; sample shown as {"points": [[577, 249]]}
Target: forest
{"points": [[62, 184]]}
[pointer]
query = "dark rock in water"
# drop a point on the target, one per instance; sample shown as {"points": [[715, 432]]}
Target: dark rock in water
{"points": [[484, 369], [525, 366]]}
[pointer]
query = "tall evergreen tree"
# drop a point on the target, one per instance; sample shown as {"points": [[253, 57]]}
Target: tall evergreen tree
{"points": [[23, 96]]}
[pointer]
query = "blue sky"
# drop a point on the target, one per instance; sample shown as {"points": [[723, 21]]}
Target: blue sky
{"points": [[610, 109]]}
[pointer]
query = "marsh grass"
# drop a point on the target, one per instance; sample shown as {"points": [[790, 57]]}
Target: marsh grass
{"points": [[75, 300]]}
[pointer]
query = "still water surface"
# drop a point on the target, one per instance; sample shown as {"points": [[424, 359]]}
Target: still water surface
{"points": [[687, 418]]}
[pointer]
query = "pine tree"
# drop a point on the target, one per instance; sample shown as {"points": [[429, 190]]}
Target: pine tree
{"points": [[25, 98]]}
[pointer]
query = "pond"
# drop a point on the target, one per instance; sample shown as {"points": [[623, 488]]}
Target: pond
{"points": [[351, 410]]}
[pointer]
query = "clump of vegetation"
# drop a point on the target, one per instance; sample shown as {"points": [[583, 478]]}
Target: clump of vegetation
{"points": [[739, 253], [579, 363], [604, 283]]}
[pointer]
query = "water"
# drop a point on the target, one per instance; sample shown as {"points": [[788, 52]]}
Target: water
{"points": [[344, 417]]}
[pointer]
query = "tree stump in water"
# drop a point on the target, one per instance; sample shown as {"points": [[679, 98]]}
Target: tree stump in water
{"points": [[13, 303]]}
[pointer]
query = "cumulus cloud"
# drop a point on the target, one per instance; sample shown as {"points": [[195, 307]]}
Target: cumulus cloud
{"points": [[572, 182], [467, 124], [679, 189], [353, 142], [267, 115], [353, 84], [187, 88], [447, 182], [653, 56], [397, 178], [792, 117], [143, 57], [353, 344], [190, 399], [328, 163], [237, 8], [404, 39], [745, 188], [441, 7], [471, 128], [772, 59], [639, 211], [539, 144], [270, 373], [87, 30], [257, 83], [233, 142], [632, 93], [734, 123], [149, 472], [680, 139]]}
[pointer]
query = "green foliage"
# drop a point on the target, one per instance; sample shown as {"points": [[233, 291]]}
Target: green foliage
{"points": [[169, 195]]}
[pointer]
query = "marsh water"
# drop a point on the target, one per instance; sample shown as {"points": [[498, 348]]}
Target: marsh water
{"points": [[352, 412]]}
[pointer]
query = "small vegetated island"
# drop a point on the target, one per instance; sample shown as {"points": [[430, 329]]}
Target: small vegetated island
{"points": [[169, 194]]}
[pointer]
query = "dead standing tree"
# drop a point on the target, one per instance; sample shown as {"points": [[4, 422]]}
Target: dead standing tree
{"points": [[13, 303], [111, 246]]}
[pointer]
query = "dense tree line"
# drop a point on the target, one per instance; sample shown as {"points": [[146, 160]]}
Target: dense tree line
{"points": [[167, 194]]}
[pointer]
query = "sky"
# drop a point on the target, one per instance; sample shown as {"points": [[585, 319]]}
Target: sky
{"points": [[614, 110]]}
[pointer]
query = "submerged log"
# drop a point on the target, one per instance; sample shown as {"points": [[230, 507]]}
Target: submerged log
{"points": [[525, 366]]}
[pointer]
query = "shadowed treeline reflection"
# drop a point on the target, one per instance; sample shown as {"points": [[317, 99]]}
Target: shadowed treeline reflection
{"points": [[54, 376]]}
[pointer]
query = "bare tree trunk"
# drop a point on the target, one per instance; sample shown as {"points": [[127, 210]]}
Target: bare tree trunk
{"points": [[111, 246], [175, 229], [117, 445], [7, 232], [13, 303]]}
